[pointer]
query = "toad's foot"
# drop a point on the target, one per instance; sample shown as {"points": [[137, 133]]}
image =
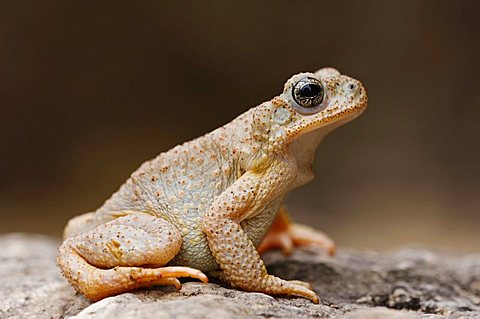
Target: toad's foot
{"points": [[286, 235], [301, 283]]}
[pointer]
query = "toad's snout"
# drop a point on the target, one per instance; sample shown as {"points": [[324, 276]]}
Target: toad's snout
{"points": [[346, 92]]}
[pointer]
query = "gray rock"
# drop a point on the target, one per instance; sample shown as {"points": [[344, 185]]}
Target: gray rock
{"points": [[409, 283]]}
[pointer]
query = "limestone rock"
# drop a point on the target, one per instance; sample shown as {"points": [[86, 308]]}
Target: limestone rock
{"points": [[406, 284]]}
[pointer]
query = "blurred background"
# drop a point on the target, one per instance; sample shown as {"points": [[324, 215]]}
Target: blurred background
{"points": [[89, 90]]}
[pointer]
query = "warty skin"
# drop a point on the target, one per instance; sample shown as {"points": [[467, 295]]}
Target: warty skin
{"points": [[206, 205]]}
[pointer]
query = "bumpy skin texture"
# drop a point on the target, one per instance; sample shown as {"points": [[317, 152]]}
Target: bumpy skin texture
{"points": [[206, 205]]}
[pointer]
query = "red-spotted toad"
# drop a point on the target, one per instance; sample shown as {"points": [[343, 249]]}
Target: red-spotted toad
{"points": [[206, 205]]}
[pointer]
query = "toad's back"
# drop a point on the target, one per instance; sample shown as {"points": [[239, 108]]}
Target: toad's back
{"points": [[180, 185]]}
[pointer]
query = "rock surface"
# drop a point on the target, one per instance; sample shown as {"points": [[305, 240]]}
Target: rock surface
{"points": [[357, 285]]}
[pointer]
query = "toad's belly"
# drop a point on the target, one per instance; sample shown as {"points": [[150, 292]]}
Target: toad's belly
{"points": [[196, 253]]}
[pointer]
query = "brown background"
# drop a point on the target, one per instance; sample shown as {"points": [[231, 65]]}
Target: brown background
{"points": [[89, 90]]}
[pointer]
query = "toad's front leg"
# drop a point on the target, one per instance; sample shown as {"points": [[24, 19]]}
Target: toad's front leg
{"points": [[230, 245]]}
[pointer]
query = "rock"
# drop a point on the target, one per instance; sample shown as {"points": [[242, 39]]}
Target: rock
{"points": [[380, 313], [30, 283], [409, 283]]}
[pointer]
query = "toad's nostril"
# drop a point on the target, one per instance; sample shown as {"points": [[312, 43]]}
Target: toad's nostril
{"points": [[352, 87]]}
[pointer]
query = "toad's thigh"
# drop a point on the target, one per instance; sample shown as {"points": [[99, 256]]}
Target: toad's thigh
{"points": [[133, 240]]}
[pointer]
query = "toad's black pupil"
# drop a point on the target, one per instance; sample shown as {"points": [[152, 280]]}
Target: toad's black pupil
{"points": [[310, 90]]}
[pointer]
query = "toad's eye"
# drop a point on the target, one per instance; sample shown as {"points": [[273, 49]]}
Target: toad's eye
{"points": [[309, 94]]}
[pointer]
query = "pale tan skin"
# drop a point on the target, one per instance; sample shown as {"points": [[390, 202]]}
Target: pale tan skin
{"points": [[206, 205]]}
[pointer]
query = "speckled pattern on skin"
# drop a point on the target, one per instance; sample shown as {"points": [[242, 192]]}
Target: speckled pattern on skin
{"points": [[206, 205]]}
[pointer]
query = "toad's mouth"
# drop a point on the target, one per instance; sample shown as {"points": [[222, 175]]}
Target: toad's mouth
{"points": [[332, 118]]}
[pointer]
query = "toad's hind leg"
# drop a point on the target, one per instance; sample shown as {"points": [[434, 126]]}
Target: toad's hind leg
{"points": [[79, 224], [122, 255], [286, 235]]}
